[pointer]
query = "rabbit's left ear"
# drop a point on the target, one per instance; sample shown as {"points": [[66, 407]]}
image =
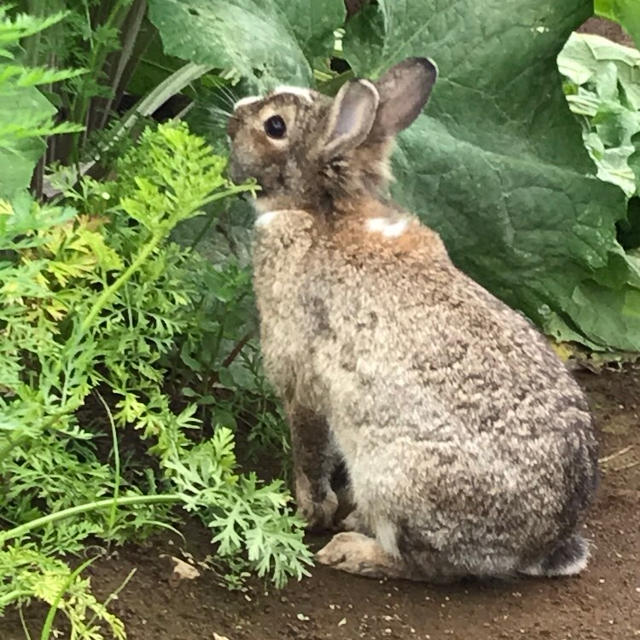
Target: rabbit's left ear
{"points": [[404, 90], [351, 117]]}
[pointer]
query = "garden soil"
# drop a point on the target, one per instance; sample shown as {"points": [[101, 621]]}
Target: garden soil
{"points": [[602, 603]]}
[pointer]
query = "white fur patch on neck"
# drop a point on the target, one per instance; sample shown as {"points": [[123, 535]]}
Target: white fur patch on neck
{"points": [[245, 101], [303, 93], [266, 218], [388, 228]]}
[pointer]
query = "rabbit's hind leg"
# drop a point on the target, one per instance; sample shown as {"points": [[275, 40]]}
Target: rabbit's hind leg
{"points": [[357, 553]]}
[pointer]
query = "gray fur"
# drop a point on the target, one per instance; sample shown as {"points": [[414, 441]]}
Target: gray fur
{"points": [[469, 447]]}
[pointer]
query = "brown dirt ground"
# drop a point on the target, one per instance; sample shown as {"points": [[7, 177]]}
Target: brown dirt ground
{"points": [[603, 603]]}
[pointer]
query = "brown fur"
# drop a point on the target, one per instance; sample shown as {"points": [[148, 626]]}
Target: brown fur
{"points": [[469, 448]]}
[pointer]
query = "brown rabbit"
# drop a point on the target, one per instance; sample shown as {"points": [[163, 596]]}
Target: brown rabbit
{"points": [[469, 448]]}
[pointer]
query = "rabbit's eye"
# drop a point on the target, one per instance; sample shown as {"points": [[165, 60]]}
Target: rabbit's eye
{"points": [[275, 127]]}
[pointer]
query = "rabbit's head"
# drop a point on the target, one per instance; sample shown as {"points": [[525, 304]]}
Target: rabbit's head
{"points": [[309, 151]]}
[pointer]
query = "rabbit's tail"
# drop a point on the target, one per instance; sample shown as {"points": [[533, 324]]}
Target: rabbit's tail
{"points": [[569, 558]]}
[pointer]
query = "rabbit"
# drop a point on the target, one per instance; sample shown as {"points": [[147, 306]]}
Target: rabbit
{"points": [[468, 447]]}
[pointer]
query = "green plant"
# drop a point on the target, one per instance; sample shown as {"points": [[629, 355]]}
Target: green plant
{"points": [[97, 304], [216, 363], [28, 573], [100, 37], [603, 89], [25, 114], [111, 96]]}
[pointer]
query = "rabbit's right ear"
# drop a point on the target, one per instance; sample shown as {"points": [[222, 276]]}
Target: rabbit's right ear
{"points": [[351, 117]]}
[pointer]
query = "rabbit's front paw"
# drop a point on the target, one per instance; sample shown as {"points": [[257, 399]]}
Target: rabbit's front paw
{"points": [[318, 514]]}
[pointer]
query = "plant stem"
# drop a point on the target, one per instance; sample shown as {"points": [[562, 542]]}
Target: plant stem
{"points": [[23, 622], [237, 188], [110, 291], [116, 459], [97, 58], [130, 34], [213, 214], [161, 498], [114, 594], [237, 349], [53, 609], [14, 595]]}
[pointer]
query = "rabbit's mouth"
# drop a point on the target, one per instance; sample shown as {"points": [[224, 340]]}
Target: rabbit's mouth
{"points": [[239, 173]]}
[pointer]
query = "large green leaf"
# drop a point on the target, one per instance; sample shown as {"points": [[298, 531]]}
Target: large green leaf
{"points": [[264, 40], [313, 23], [626, 12], [497, 164], [18, 157]]}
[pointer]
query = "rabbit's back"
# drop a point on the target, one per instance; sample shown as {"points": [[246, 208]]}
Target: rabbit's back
{"points": [[407, 312]]}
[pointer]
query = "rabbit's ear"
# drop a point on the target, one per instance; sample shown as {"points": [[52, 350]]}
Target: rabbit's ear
{"points": [[404, 90], [351, 117]]}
